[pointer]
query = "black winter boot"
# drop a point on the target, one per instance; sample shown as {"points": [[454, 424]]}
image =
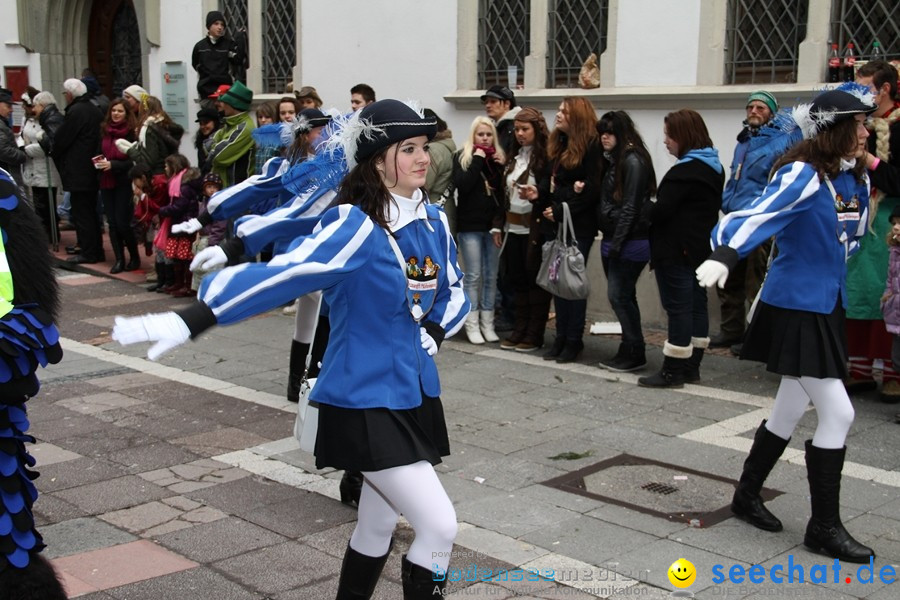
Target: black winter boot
{"points": [[118, 251], [167, 279], [825, 533], [351, 488], [764, 454], [134, 263], [419, 582], [556, 349], [630, 357], [360, 574], [692, 370], [160, 277], [570, 351], [671, 375], [296, 369]]}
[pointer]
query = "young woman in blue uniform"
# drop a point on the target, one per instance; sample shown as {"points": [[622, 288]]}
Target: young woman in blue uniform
{"points": [[378, 390], [816, 206]]}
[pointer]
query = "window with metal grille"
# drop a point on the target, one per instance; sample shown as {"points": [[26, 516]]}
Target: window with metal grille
{"points": [[865, 21], [763, 39], [504, 29], [235, 12], [575, 29], [279, 44]]}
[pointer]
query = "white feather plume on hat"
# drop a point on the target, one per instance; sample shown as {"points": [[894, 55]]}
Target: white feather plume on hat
{"points": [[814, 117], [349, 129]]}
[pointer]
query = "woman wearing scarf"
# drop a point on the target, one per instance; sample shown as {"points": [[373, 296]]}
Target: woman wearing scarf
{"points": [[685, 211], [115, 184]]}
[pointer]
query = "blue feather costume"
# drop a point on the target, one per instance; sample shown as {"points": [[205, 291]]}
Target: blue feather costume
{"points": [[28, 340]]}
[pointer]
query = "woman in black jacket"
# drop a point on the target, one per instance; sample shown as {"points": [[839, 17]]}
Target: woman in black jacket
{"points": [[628, 184], [686, 210], [574, 156], [480, 214]]}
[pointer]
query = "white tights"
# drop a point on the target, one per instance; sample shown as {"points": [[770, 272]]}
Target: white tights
{"points": [[833, 409], [415, 492]]}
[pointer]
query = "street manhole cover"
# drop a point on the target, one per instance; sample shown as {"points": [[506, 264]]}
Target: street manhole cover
{"points": [[656, 488]]}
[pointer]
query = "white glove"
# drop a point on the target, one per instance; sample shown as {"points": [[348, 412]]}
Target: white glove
{"points": [[124, 145], [209, 259], [712, 272], [428, 342], [168, 330], [189, 226]]}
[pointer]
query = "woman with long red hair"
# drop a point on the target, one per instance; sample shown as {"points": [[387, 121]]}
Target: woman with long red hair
{"points": [[574, 154]]}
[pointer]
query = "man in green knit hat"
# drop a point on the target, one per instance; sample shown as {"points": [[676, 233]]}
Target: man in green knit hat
{"points": [[231, 155]]}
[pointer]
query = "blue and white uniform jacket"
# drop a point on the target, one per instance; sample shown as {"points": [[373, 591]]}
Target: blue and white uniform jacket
{"points": [[374, 356], [815, 232]]}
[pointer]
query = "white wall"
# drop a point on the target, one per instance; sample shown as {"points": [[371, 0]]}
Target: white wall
{"points": [[404, 49], [12, 54], [657, 42], [182, 27]]}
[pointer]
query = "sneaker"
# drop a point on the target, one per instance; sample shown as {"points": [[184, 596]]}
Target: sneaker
{"points": [[526, 347], [624, 364]]}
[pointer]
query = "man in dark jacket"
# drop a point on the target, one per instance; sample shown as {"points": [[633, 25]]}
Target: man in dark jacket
{"points": [[74, 144], [500, 106], [217, 56], [12, 157]]}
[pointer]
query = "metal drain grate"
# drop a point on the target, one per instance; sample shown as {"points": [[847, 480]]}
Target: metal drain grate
{"points": [[659, 488], [664, 490]]}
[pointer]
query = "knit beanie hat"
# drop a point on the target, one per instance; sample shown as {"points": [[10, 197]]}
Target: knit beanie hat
{"points": [[766, 98], [238, 96], [135, 91], [213, 16]]}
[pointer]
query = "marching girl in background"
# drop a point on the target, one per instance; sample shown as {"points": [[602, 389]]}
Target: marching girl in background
{"points": [[816, 206], [384, 416], [29, 303]]}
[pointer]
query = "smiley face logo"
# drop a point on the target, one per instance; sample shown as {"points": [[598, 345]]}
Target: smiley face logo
{"points": [[682, 573]]}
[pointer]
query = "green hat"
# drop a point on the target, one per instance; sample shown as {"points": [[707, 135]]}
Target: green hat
{"points": [[238, 96], [766, 98]]}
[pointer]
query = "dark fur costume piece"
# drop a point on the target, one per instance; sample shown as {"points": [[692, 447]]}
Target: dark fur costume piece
{"points": [[28, 339]]}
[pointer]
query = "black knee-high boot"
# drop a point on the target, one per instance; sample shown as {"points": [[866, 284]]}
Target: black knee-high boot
{"points": [[351, 488], [296, 366], [825, 533], [360, 574], [747, 504], [419, 582]]}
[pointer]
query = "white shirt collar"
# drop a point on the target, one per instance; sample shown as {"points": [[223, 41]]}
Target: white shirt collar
{"points": [[405, 211]]}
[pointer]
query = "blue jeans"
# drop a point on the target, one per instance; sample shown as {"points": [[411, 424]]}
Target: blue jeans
{"points": [[570, 314], [684, 302], [481, 259], [621, 278]]}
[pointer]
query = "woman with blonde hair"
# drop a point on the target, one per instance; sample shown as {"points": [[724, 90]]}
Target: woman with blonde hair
{"points": [[480, 215], [574, 154]]}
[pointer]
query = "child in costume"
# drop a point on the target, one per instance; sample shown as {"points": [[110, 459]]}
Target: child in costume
{"points": [[29, 302]]}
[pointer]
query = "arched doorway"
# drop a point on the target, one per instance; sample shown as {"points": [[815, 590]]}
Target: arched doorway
{"points": [[114, 46]]}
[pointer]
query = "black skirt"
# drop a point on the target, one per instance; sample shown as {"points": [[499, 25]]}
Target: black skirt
{"points": [[798, 342], [372, 439]]}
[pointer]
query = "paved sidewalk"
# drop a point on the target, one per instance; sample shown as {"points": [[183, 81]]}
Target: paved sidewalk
{"points": [[179, 479]]}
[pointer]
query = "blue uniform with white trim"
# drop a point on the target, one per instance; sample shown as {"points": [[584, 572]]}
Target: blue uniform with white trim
{"points": [[350, 258], [813, 242]]}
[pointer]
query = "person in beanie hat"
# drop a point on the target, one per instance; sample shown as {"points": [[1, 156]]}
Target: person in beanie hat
{"points": [[217, 58], [383, 417], [231, 156], [134, 95], [752, 162], [817, 208]]}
